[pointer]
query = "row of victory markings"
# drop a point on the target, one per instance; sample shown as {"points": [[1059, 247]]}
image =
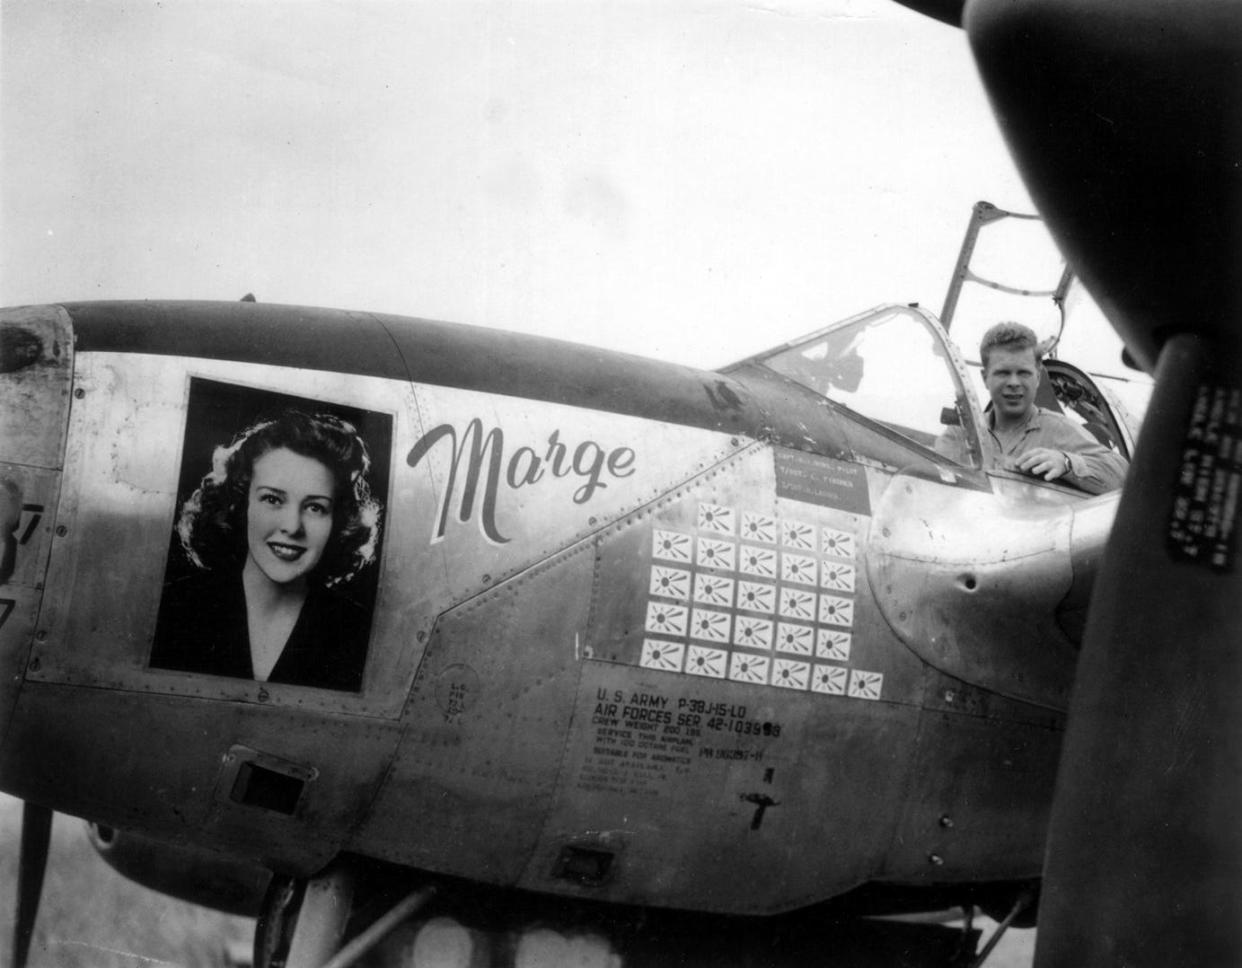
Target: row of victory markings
{"points": [[783, 671], [750, 632], [759, 531], [765, 529], [677, 548], [787, 601]]}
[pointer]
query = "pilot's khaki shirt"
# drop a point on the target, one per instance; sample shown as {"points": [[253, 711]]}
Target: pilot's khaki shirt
{"points": [[1093, 467]]}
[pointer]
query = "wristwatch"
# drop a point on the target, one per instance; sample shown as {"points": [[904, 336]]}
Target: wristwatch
{"points": [[1068, 466]]}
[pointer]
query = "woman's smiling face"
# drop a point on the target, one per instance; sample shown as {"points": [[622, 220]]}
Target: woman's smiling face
{"points": [[289, 514]]}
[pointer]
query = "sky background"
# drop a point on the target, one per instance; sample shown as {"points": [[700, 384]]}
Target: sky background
{"points": [[692, 181]]}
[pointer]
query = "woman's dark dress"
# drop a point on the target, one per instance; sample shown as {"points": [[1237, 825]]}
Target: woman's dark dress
{"points": [[202, 627]]}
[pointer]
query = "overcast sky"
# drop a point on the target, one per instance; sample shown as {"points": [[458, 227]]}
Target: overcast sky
{"points": [[693, 181]]}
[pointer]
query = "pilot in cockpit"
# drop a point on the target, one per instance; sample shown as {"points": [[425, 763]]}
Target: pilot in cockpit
{"points": [[1023, 437]]}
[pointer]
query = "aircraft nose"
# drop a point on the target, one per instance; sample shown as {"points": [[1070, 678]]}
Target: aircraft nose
{"points": [[36, 376]]}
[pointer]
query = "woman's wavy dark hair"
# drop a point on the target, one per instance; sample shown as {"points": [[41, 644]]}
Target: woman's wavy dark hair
{"points": [[212, 525]]}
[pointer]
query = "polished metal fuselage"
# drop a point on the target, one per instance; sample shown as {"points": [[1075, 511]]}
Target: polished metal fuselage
{"points": [[638, 633]]}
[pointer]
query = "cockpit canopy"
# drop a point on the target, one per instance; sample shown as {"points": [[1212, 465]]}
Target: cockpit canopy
{"points": [[893, 366]]}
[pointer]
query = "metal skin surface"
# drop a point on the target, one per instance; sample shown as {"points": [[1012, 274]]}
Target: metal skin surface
{"points": [[36, 360], [636, 631], [945, 558]]}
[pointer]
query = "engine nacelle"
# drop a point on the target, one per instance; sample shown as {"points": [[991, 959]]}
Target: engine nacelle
{"points": [[192, 874]]}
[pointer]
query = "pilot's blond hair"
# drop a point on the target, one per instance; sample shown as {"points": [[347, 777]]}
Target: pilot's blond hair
{"points": [[1008, 336]]}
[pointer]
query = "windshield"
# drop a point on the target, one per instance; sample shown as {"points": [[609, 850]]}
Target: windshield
{"points": [[891, 366]]}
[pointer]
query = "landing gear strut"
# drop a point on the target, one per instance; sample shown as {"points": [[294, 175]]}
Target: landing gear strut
{"points": [[303, 923]]}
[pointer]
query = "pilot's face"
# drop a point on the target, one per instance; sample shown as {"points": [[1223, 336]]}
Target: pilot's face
{"points": [[1012, 376], [288, 514]]}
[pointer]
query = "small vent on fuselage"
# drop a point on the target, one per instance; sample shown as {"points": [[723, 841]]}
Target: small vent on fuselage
{"points": [[589, 866]]}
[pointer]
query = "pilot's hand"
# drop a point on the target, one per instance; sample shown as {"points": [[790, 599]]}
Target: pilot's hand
{"points": [[1045, 462]]}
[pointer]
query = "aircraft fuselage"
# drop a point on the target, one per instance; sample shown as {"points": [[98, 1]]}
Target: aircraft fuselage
{"points": [[635, 632]]}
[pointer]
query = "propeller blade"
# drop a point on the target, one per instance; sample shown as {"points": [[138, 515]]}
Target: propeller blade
{"points": [[1144, 862], [36, 840], [1124, 120], [946, 11]]}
